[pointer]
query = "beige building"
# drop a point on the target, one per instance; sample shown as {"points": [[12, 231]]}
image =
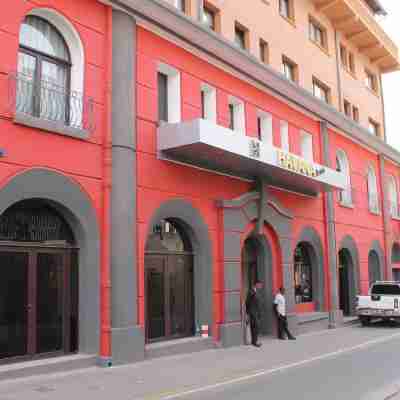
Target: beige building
{"points": [[335, 49]]}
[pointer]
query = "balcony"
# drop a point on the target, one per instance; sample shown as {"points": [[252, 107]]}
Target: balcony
{"points": [[44, 105], [204, 144], [357, 22]]}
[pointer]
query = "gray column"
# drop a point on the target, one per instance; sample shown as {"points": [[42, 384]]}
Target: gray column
{"points": [[200, 7], [331, 234], [386, 219], [127, 337]]}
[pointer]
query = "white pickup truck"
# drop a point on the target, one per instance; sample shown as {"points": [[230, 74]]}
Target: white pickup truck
{"points": [[383, 302]]}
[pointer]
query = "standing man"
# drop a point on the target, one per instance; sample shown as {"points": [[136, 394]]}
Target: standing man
{"points": [[253, 310], [280, 310]]}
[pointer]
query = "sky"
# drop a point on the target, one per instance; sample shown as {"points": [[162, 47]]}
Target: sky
{"points": [[391, 82]]}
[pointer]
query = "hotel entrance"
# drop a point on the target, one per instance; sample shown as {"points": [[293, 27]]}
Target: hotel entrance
{"points": [[38, 285]]}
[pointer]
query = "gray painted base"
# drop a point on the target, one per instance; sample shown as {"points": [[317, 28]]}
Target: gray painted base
{"points": [[231, 334], [104, 362], [179, 346], [335, 319], [127, 345]]}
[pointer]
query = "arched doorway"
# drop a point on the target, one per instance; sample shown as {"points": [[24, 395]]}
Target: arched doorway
{"points": [[396, 261], [257, 265], [345, 281], [169, 283], [303, 274], [39, 285], [374, 269]]}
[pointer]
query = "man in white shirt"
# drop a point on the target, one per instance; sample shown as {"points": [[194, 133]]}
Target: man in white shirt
{"points": [[280, 310]]}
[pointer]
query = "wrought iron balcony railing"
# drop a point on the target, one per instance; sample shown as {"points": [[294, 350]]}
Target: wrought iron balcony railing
{"points": [[48, 101]]}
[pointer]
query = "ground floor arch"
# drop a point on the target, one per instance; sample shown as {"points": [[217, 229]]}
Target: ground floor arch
{"points": [[309, 276], [257, 265], [178, 273], [49, 240], [395, 261], [348, 275], [374, 267]]}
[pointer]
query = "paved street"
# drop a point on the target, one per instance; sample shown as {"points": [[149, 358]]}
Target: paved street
{"points": [[347, 363]]}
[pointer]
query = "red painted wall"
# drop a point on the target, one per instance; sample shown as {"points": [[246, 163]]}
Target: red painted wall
{"points": [[25, 147], [202, 188]]}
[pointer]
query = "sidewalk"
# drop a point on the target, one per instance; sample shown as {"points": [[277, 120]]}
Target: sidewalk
{"points": [[159, 378]]}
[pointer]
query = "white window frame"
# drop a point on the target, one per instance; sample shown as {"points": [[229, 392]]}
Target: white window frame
{"points": [[346, 195], [373, 198], [306, 146], [284, 133], [266, 130], [239, 120], [75, 47], [210, 102], [393, 197], [174, 92]]}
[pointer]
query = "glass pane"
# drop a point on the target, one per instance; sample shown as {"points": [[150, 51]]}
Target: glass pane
{"points": [[302, 275], [53, 92], [155, 297], [178, 296], [50, 316], [13, 304], [36, 33], [25, 83]]}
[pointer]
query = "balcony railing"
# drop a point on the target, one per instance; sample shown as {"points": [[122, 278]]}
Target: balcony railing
{"points": [[48, 101], [393, 209]]}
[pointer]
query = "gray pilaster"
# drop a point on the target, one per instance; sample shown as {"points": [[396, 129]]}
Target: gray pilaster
{"points": [[386, 219], [338, 69], [331, 233], [127, 337]]}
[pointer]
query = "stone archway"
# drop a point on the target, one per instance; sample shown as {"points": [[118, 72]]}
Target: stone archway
{"points": [[74, 205], [349, 274], [260, 207], [264, 272], [189, 219], [395, 261], [310, 237]]}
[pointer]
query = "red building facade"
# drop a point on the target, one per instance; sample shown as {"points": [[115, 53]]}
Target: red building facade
{"points": [[137, 234]]}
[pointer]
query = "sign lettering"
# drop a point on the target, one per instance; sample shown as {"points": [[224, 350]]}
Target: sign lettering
{"points": [[298, 165]]}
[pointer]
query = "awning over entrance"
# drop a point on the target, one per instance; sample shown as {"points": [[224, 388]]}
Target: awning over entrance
{"points": [[204, 144]]}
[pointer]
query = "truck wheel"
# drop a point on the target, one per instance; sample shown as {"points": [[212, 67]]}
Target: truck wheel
{"points": [[365, 321]]}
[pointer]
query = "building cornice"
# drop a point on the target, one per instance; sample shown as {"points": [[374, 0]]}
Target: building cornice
{"points": [[215, 46]]}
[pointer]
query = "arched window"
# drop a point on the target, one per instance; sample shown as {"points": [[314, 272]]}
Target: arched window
{"points": [[51, 72], [44, 68], [303, 274], [373, 199], [306, 144], [342, 165], [393, 198]]}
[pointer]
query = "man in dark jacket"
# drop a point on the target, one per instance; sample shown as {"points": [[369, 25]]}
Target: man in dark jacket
{"points": [[253, 310]]}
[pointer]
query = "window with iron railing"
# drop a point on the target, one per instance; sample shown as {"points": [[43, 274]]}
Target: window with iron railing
{"points": [[41, 88]]}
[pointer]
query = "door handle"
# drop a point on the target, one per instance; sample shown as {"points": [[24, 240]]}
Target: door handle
{"points": [[29, 307]]}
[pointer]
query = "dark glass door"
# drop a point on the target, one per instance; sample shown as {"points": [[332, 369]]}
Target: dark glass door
{"points": [[169, 296], [344, 290], [155, 290], [38, 302], [14, 306], [50, 302]]}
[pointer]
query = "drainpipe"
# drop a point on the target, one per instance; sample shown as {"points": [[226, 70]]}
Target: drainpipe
{"points": [[338, 76], [105, 338], [330, 235], [383, 109], [386, 218], [200, 7]]}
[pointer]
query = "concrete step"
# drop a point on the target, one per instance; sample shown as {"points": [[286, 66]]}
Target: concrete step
{"points": [[350, 320], [179, 346], [23, 369]]}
